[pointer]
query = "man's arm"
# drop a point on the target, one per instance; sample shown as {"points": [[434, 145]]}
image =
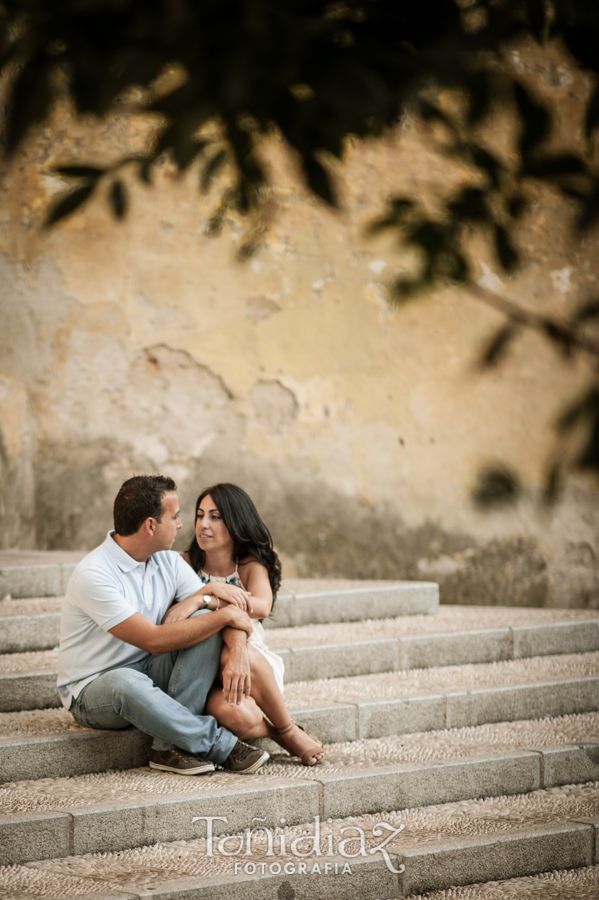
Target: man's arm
{"points": [[157, 639]]}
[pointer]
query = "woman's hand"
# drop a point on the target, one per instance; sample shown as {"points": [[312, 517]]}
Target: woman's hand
{"points": [[230, 593], [237, 682], [183, 609]]}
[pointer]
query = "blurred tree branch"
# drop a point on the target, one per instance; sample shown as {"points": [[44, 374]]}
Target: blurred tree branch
{"points": [[318, 72]]}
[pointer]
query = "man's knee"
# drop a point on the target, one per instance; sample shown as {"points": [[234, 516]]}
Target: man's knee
{"points": [[122, 683]]}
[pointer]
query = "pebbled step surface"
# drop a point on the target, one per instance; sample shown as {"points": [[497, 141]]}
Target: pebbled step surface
{"points": [[344, 758], [386, 684], [150, 869], [303, 694], [567, 884], [449, 619]]}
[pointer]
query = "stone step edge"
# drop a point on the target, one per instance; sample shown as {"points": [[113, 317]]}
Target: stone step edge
{"points": [[103, 827], [24, 757], [306, 607], [474, 646], [533, 850], [446, 648]]}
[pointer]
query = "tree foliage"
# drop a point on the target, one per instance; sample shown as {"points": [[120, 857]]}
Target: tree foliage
{"points": [[317, 72]]}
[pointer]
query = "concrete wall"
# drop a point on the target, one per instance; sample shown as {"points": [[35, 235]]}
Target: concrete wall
{"points": [[358, 429]]}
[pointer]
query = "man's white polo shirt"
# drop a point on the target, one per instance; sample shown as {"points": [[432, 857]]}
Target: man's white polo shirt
{"points": [[107, 587]]}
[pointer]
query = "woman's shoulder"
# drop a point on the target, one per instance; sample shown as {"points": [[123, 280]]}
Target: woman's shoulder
{"points": [[250, 564]]}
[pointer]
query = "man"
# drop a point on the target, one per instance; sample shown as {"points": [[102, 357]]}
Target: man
{"points": [[118, 664]]}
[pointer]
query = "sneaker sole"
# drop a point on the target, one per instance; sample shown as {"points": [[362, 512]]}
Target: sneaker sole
{"points": [[197, 770], [253, 768]]}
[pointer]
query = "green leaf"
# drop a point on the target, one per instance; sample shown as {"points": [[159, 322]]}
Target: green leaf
{"points": [[91, 172], [320, 181], [506, 252], [67, 205], [589, 457], [29, 100], [470, 206], [556, 333], [118, 199], [592, 117], [211, 169], [534, 118], [590, 213], [491, 165], [497, 347], [186, 149], [409, 288], [578, 411], [587, 312], [516, 205], [432, 113], [479, 100], [145, 169], [548, 166], [496, 486]]}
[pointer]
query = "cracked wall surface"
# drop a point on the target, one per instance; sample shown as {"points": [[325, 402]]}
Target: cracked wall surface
{"points": [[358, 428]]}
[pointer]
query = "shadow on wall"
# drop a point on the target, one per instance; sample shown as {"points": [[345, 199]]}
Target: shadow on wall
{"points": [[322, 534]]}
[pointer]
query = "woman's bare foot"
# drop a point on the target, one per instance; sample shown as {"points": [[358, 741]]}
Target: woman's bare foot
{"points": [[298, 743]]}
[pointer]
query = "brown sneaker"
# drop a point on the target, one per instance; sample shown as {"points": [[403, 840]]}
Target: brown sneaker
{"points": [[179, 761], [244, 759]]}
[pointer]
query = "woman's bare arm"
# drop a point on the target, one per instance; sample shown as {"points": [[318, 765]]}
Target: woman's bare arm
{"points": [[255, 578]]}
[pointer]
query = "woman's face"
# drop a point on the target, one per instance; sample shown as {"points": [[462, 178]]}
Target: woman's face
{"points": [[211, 531]]}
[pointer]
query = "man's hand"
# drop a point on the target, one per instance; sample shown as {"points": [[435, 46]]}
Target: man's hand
{"points": [[184, 609], [236, 673], [238, 620]]}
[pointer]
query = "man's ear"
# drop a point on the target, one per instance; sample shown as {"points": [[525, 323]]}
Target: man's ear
{"points": [[149, 527]]}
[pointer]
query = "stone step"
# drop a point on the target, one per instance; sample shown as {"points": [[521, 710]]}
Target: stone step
{"points": [[455, 636], [44, 743], [36, 573], [119, 810], [428, 848], [33, 624], [565, 884]]}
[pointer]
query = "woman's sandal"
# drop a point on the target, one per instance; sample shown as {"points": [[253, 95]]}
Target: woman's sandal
{"points": [[281, 732]]}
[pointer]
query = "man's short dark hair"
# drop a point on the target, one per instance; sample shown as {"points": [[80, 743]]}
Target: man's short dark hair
{"points": [[139, 498]]}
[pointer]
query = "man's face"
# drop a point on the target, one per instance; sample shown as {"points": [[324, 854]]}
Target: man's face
{"points": [[166, 530]]}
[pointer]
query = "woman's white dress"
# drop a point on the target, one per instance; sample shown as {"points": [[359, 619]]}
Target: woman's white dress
{"points": [[258, 635]]}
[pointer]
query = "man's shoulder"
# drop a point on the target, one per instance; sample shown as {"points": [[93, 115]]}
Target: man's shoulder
{"points": [[169, 559], [98, 562]]}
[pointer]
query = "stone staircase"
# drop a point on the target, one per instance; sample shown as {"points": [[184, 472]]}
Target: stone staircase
{"points": [[463, 749]]}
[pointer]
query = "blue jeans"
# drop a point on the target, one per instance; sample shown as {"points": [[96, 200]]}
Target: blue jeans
{"points": [[163, 696]]}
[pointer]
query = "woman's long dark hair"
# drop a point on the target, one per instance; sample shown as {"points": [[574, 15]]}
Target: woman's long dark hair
{"points": [[250, 535]]}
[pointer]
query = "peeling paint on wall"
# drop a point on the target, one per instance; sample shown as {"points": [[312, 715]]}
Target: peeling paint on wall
{"points": [[357, 427]]}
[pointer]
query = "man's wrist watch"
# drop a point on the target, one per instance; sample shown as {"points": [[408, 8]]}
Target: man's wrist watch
{"points": [[207, 599]]}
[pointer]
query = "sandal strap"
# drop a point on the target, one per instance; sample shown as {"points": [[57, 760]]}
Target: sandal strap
{"points": [[286, 729]]}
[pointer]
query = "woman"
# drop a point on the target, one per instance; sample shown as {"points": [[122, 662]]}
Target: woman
{"points": [[232, 550]]}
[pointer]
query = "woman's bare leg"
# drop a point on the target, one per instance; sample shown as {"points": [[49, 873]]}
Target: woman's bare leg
{"points": [[247, 720]]}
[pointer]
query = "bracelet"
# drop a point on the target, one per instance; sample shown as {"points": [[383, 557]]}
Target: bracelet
{"points": [[218, 603]]}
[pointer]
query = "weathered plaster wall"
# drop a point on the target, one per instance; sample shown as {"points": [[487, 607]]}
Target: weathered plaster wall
{"points": [[147, 346], [17, 450]]}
